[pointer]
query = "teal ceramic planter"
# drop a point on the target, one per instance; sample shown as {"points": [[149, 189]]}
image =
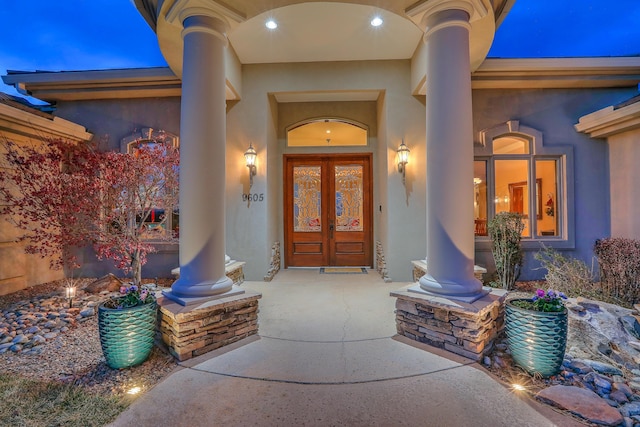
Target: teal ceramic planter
{"points": [[127, 335], [537, 340]]}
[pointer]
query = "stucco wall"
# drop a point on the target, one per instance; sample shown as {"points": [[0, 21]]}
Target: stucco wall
{"points": [[554, 112], [624, 157], [110, 121], [252, 120], [399, 210], [18, 269]]}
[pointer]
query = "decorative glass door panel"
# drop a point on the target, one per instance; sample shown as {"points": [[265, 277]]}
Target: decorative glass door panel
{"points": [[348, 198], [307, 199], [328, 210]]}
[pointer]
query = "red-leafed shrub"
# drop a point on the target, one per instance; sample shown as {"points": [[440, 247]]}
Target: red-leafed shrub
{"points": [[48, 190], [63, 195], [619, 261], [131, 187]]}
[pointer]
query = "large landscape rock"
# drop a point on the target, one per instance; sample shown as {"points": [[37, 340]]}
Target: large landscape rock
{"points": [[106, 283], [582, 402], [596, 332], [600, 375]]}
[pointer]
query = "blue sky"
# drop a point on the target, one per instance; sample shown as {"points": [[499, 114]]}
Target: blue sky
{"points": [[566, 28], [98, 34]]}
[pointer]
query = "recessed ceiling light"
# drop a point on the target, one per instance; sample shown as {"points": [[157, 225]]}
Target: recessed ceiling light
{"points": [[271, 24], [376, 22]]}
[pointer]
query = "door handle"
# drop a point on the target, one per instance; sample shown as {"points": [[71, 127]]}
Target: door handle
{"points": [[331, 229]]}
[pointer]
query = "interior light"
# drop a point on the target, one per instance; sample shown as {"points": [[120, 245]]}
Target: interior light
{"points": [[271, 24], [376, 22]]}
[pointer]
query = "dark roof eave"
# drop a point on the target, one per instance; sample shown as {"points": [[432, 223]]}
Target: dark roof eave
{"points": [[627, 102], [24, 105], [149, 11]]}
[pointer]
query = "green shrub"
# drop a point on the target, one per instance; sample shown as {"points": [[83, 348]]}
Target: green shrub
{"points": [[568, 275], [505, 231], [619, 261]]}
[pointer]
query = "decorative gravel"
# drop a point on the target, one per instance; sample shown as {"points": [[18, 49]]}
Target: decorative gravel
{"points": [[68, 350]]}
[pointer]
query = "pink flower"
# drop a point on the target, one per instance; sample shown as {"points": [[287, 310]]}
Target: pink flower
{"points": [[123, 289], [540, 293]]}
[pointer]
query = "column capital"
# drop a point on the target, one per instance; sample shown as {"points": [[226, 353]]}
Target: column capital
{"points": [[183, 9], [421, 12]]}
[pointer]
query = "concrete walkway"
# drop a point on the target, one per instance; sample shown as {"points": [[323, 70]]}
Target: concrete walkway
{"points": [[327, 355]]}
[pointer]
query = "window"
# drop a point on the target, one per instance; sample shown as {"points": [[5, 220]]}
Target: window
{"points": [[157, 222], [327, 132], [514, 172]]}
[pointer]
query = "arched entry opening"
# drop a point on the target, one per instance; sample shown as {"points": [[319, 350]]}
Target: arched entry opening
{"points": [[328, 197]]}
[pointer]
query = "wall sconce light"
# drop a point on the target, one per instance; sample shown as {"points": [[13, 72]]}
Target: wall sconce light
{"points": [[250, 158], [403, 159]]}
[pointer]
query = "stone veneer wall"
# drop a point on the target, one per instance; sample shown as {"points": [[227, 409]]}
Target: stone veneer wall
{"points": [[381, 262], [274, 263], [192, 331], [235, 272], [468, 330]]}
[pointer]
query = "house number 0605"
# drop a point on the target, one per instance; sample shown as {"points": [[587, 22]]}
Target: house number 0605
{"points": [[253, 197]]}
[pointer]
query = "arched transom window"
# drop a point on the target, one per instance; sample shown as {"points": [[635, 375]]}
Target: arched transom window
{"points": [[327, 132]]}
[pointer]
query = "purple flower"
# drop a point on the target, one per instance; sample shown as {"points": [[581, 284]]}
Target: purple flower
{"points": [[133, 288], [549, 301]]}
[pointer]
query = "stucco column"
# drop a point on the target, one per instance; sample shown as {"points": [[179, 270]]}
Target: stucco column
{"points": [[449, 139], [202, 157]]}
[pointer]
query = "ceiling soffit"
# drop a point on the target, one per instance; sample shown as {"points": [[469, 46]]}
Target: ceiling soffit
{"points": [[307, 31], [324, 32]]}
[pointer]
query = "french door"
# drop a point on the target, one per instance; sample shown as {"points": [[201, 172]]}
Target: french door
{"points": [[328, 210]]}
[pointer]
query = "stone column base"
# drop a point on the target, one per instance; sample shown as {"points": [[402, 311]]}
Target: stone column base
{"points": [[234, 270], [420, 269], [195, 330], [468, 330]]}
